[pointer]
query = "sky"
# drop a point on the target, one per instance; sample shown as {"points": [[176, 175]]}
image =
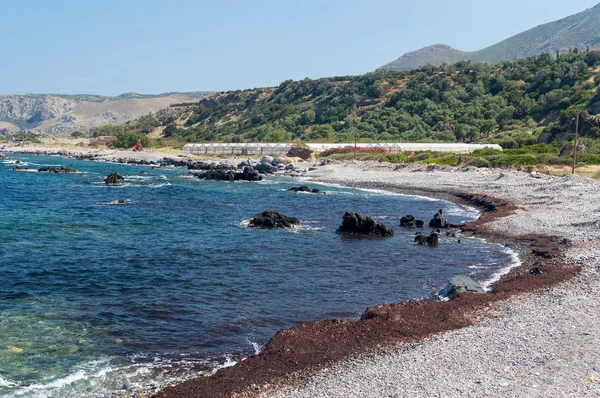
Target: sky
{"points": [[150, 46]]}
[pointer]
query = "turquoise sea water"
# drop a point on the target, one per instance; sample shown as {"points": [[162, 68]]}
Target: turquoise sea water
{"points": [[98, 298]]}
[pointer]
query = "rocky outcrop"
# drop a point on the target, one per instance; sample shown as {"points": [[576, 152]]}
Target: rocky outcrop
{"points": [[356, 224], [271, 219], [301, 151], [57, 170], [304, 188], [438, 221], [114, 179], [248, 174], [460, 284], [19, 168], [424, 240], [209, 166], [410, 221]]}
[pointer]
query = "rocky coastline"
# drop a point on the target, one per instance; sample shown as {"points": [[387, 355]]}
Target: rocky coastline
{"points": [[503, 343]]}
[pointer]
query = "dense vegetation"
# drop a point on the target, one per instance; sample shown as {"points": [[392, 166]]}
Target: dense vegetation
{"points": [[513, 103], [554, 154]]}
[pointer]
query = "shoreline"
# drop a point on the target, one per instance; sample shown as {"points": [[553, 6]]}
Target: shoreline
{"points": [[293, 355], [290, 349]]}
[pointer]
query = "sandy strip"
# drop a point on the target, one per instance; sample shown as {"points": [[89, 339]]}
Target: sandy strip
{"points": [[547, 344]]}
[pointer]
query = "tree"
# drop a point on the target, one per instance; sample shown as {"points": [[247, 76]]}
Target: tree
{"points": [[129, 139], [321, 131], [277, 135], [76, 134]]}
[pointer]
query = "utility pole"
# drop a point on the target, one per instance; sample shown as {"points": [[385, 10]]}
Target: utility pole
{"points": [[575, 143], [355, 139]]}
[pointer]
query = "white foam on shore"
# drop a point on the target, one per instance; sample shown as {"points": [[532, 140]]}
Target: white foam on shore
{"points": [[495, 277], [6, 383]]}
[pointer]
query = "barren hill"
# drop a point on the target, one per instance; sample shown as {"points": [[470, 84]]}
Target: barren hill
{"points": [[580, 31], [61, 114]]}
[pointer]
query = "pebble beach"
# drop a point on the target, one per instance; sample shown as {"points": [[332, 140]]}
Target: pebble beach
{"points": [[533, 345], [544, 344]]}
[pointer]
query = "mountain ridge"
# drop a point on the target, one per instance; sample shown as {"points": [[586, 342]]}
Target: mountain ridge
{"points": [[54, 114], [581, 30]]}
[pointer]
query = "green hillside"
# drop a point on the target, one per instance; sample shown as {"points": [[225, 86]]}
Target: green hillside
{"points": [[576, 31], [511, 103]]}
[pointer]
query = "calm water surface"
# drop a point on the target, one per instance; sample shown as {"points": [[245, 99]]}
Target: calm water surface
{"points": [[98, 298]]}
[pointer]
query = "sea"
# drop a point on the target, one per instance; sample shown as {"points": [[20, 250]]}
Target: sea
{"points": [[101, 298]]}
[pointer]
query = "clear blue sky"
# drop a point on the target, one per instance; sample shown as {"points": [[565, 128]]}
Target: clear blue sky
{"points": [[110, 47]]}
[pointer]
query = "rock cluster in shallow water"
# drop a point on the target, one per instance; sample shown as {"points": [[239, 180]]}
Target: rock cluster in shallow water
{"points": [[356, 224], [271, 219]]}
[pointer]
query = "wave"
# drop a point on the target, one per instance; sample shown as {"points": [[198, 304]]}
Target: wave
{"points": [[116, 202], [495, 277]]}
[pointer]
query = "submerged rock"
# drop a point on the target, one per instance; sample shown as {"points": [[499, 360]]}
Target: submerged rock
{"points": [[19, 168], [114, 179], [57, 170], [438, 221], [304, 188], [424, 240], [356, 224], [409, 221], [460, 284], [271, 219]]}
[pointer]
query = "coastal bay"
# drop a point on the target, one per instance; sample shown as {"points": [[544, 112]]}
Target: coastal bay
{"points": [[543, 206]]}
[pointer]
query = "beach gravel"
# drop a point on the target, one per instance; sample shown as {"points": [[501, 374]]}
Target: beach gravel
{"points": [[545, 344], [542, 344]]}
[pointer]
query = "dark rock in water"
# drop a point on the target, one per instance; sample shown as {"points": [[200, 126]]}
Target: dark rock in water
{"points": [[143, 173], [271, 219], [438, 221], [460, 284], [248, 174], [209, 166], [114, 179], [424, 240], [57, 170], [19, 168], [304, 188], [217, 175], [409, 221], [356, 224]]}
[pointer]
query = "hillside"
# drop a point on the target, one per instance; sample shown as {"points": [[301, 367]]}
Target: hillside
{"points": [[580, 31], [54, 114], [511, 104]]}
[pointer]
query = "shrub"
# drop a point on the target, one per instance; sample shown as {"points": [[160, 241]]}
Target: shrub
{"points": [[129, 139], [485, 152], [477, 162], [394, 158], [351, 149], [523, 160], [450, 159], [420, 157]]}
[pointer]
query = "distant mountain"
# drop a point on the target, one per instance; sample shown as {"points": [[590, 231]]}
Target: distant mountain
{"points": [[576, 31], [55, 114]]}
